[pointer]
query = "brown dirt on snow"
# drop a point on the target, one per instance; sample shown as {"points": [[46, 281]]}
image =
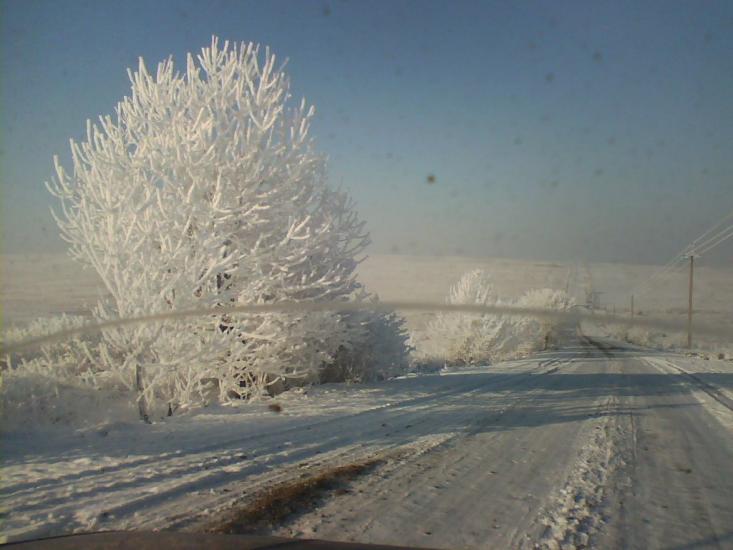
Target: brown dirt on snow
{"points": [[272, 507]]}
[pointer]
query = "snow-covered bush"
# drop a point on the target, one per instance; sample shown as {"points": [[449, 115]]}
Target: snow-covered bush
{"points": [[471, 338], [33, 397], [64, 359], [535, 332], [58, 382], [205, 190], [379, 353], [462, 338]]}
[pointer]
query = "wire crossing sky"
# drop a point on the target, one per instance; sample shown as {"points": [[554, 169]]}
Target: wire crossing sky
{"points": [[715, 236], [550, 130]]}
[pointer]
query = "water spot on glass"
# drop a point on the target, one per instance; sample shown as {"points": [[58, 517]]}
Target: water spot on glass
{"points": [[550, 77], [597, 57], [430, 179]]}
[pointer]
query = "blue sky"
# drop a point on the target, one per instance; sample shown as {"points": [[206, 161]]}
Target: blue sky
{"points": [[555, 130]]}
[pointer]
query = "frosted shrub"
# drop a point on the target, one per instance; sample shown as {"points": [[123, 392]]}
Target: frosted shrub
{"points": [[461, 338], [63, 360], [380, 352], [385, 352], [538, 333], [205, 190], [60, 381]]}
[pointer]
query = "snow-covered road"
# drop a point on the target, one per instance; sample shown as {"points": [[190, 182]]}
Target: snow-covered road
{"points": [[615, 449], [597, 445]]}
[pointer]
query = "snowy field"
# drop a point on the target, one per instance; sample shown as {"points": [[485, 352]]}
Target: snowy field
{"points": [[610, 446]]}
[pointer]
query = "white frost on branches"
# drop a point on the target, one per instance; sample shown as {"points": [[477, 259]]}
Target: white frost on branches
{"points": [[204, 190], [465, 338]]}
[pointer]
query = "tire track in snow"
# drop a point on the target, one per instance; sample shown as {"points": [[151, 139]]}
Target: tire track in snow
{"points": [[408, 501], [110, 500], [695, 380], [409, 450], [14, 490], [581, 508]]}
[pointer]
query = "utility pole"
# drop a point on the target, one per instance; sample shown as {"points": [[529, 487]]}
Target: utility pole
{"points": [[689, 302]]}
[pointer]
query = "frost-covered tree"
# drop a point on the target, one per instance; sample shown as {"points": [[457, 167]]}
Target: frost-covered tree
{"points": [[203, 190], [457, 337], [470, 338], [533, 332]]}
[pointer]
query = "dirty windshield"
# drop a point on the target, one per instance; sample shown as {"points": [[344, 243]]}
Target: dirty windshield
{"points": [[430, 274]]}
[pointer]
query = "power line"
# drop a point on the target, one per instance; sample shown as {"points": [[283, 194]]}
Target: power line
{"points": [[647, 287], [713, 228], [717, 239], [674, 265], [704, 243]]}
